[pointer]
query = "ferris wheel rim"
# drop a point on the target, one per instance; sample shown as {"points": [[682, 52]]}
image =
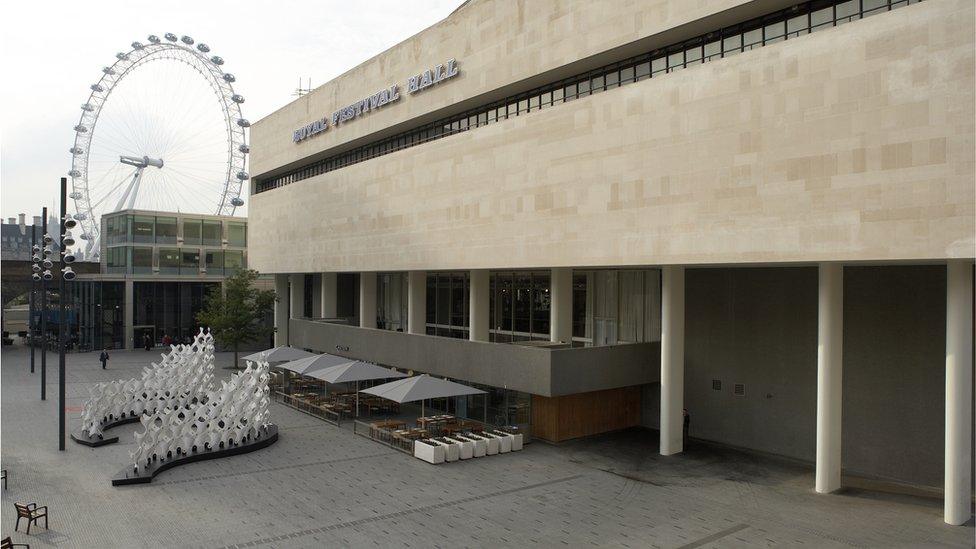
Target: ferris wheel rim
{"points": [[209, 67]]}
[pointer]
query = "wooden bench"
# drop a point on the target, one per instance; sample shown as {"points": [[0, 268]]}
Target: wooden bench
{"points": [[5, 543], [32, 513]]}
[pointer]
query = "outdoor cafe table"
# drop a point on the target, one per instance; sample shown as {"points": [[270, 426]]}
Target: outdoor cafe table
{"points": [[390, 424], [434, 420]]}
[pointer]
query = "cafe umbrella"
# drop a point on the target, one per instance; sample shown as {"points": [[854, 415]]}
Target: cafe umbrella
{"points": [[421, 388], [353, 370]]}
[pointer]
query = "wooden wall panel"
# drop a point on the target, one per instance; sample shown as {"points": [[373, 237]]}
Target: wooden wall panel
{"points": [[556, 419]]}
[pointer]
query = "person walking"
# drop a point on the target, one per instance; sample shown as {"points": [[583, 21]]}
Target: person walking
{"points": [[167, 341], [147, 341], [103, 357]]}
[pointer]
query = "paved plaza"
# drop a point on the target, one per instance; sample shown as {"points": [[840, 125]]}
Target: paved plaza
{"points": [[324, 486]]}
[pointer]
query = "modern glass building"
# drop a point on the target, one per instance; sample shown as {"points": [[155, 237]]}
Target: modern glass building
{"points": [[156, 269], [758, 213]]}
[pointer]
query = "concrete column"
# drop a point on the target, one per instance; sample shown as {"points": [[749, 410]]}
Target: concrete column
{"points": [[561, 305], [281, 310], [329, 296], [479, 299], [297, 295], [417, 302], [367, 300], [959, 387], [128, 316], [830, 352], [672, 360]]}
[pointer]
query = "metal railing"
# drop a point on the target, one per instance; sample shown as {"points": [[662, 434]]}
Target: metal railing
{"points": [[383, 436], [302, 405]]}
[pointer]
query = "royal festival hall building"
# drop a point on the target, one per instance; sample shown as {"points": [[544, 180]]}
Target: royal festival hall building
{"points": [[609, 213]]}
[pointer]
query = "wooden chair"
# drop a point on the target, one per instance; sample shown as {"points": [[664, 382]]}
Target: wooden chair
{"points": [[5, 543], [32, 513]]}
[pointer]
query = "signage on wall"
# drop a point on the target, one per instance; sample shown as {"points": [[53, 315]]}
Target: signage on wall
{"points": [[416, 83]]}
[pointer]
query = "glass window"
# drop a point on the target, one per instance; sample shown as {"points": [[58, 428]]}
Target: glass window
{"points": [[583, 88], [116, 258], [142, 260], [659, 64], [643, 70], [169, 261], [732, 45], [597, 84], [569, 92], [236, 234], [211, 233], [712, 49], [215, 262], [693, 55], [847, 11], [189, 261], [431, 298], [774, 32], [821, 19], [191, 231], [142, 229], [166, 230], [626, 75], [613, 79], [233, 261], [522, 304], [796, 26], [752, 39], [541, 300], [872, 7], [676, 60]]}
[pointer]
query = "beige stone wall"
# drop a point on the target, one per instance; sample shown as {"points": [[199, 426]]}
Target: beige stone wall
{"points": [[497, 43], [854, 143]]}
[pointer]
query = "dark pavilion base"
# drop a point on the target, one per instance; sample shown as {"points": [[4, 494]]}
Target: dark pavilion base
{"points": [[266, 437], [82, 438]]}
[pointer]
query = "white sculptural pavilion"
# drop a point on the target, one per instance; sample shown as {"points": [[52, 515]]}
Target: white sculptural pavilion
{"points": [[224, 418], [183, 376]]}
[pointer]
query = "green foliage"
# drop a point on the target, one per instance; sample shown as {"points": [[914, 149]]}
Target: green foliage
{"points": [[235, 313]]}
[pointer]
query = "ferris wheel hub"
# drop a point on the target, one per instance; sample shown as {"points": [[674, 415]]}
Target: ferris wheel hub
{"points": [[141, 162]]}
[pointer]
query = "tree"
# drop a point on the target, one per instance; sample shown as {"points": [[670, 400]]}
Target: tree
{"points": [[236, 312]]}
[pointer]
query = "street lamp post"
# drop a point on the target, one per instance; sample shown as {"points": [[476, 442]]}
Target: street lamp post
{"points": [[45, 263], [66, 274], [35, 269]]}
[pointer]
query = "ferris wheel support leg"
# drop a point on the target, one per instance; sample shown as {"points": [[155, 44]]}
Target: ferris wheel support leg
{"points": [[129, 196]]}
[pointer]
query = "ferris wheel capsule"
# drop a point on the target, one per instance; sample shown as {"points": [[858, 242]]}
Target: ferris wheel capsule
{"points": [[74, 173], [87, 107], [81, 216], [242, 122], [237, 98], [244, 148], [76, 150], [186, 40], [81, 129], [122, 56], [242, 175], [137, 45], [75, 195], [237, 201], [153, 38], [217, 60], [170, 36], [97, 88], [229, 78], [108, 70], [203, 47]]}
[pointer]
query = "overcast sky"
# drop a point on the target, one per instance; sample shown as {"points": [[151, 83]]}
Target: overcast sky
{"points": [[53, 50]]}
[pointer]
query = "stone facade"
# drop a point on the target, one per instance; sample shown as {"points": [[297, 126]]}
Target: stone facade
{"points": [[851, 144]]}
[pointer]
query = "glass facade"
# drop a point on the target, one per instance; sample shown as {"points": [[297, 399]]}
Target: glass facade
{"points": [[391, 301], [192, 232], [519, 306], [774, 27], [166, 230], [100, 310], [168, 308], [236, 234], [447, 304], [616, 306]]}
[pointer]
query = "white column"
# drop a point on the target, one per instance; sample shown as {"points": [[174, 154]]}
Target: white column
{"points": [[561, 305], [329, 296], [281, 310], [830, 353], [128, 316], [478, 304], [417, 302], [367, 300], [672, 359], [959, 386], [297, 295]]}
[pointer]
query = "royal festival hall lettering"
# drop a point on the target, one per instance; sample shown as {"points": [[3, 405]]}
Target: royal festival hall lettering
{"points": [[427, 78]]}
